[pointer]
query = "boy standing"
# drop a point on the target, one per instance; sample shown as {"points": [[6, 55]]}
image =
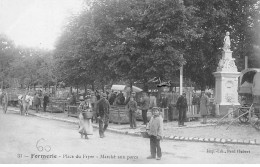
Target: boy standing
{"points": [[155, 130], [132, 107]]}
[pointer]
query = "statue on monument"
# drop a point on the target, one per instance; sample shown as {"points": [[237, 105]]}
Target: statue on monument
{"points": [[226, 42]]}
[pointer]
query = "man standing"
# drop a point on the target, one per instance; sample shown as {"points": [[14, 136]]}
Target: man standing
{"points": [[45, 102], [145, 103], [172, 99], [73, 99], [37, 102], [164, 105], [103, 114], [204, 105], [5, 101], [132, 107], [112, 98], [182, 108], [26, 103]]}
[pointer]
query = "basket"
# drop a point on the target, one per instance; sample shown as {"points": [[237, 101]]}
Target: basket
{"points": [[88, 114], [144, 133]]}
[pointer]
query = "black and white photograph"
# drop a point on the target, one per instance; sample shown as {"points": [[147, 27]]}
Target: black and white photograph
{"points": [[129, 82]]}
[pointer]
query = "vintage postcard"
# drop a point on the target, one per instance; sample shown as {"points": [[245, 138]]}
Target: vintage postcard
{"points": [[129, 82]]}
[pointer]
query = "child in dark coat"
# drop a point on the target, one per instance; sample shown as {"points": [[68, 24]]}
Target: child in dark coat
{"points": [[155, 131]]}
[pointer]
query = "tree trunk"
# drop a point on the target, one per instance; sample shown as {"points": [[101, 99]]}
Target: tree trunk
{"points": [[93, 85], [77, 90], [85, 86], [2, 85], [71, 90], [145, 85], [103, 86], [131, 86]]}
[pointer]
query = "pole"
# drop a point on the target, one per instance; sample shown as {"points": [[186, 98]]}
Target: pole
{"points": [[181, 79], [246, 62], [2, 85]]}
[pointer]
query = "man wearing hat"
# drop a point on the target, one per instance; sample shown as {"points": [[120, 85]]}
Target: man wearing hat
{"points": [[182, 108], [145, 103], [103, 114]]}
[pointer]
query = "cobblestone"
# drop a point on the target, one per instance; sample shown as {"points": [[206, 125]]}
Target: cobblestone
{"points": [[234, 140], [195, 139], [246, 141], [240, 141], [252, 142], [176, 138], [201, 139], [217, 140], [206, 139], [212, 139], [171, 137], [181, 138], [190, 138], [223, 140]]}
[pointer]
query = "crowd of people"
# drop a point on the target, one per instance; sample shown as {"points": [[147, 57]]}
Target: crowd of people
{"points": [[96, 105]]}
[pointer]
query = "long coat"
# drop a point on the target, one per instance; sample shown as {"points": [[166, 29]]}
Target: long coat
{"points": [[204, 105]]}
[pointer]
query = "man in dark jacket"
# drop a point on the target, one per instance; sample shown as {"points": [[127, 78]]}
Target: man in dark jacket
{"points": [[145, 103], [112, 98], [182, 108], [46, 100], [164, 101], [103, 114]]}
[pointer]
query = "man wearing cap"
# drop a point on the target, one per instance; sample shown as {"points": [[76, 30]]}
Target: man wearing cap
{"points": [[145, 103], [103, 114], [182, 108], [132, 108]]}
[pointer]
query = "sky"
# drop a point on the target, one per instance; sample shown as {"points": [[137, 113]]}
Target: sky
{"points": [[36, 23]]}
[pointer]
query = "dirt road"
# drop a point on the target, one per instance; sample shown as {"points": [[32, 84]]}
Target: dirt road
{"points": [[28, 139]]}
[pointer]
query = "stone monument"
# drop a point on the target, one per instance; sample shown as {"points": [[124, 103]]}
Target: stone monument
{"points": [[226, 84]]}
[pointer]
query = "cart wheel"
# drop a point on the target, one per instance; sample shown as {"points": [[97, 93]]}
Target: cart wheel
{"points": [[244, 118], [257, 125]]}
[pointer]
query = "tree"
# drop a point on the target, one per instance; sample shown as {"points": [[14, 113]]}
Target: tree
{"points": [[240, 18], [7, 50], [145, 39], [32, 67]]}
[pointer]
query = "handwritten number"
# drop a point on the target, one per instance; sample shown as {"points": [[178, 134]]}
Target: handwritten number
{"points": [[41, 148], [47, 148]]}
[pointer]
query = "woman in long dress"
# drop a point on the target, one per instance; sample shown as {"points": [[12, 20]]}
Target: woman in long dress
{"points": [[85, 124]]}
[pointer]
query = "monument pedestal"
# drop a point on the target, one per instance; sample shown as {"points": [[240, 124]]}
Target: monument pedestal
{"points": [[226, 85]]}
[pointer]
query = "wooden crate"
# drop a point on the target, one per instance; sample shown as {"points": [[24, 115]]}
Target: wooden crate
{"points": [[73, 111], [119, 114]]}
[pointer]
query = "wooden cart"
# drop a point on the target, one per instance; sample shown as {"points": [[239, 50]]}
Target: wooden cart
{"points": [[249, 111]]}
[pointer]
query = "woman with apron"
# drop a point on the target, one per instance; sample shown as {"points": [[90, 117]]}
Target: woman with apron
{"points": [[86, 112]]}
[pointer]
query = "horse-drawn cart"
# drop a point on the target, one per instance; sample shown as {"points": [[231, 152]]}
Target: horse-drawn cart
{"points": [[249, 91]]}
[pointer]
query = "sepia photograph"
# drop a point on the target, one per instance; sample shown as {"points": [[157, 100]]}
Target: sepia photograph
{"points": [[129, 82]]}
